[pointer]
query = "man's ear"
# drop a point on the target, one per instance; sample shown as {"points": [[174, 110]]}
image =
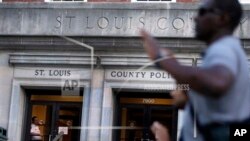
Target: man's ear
{"points": [[225, 19]]}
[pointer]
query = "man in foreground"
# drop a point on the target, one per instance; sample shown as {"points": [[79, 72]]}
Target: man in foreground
{"points": [[219, 88]]}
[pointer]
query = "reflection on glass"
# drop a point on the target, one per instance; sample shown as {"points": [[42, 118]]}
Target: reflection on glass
{"points": [[138, 120], [132, 119], [164, 116]]}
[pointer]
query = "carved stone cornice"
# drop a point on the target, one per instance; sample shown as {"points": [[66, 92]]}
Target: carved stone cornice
{"points": [[84, 60]]}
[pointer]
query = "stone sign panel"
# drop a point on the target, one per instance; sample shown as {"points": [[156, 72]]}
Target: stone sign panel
{"points": [[51, 73], [109, 20], [135, 75]]}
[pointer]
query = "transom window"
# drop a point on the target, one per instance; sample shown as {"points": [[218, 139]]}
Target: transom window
{"points": [[152, 1]]}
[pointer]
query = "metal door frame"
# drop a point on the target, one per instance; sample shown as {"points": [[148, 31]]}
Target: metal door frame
{"points": [[147, 116], [55, 110]]}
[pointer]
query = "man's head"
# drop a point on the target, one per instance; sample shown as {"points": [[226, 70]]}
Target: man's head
{"points": [[215, 16], [35, 120]]}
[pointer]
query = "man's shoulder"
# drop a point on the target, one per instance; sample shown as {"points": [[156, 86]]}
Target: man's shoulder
{"points": [[225, 44]]}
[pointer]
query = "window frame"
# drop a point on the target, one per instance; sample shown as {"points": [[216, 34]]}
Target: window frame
{"points": [[135, 1], [64, 1], [244, 1]]}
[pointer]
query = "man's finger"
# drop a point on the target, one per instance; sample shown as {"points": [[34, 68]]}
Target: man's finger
{"points": [[150, 44], [148, 39], [174, 93]]}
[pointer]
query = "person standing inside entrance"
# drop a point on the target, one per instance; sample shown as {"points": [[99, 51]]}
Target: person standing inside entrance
{"points": [[219, 94], [35, 132]]}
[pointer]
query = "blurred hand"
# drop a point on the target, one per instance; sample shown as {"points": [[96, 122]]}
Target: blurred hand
{"points": [[180, 98], [160, 131], [41, 122], [152, 47]]}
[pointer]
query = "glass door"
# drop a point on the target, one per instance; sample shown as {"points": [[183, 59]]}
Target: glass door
{"points": [[136, 115], [68, 121], [166, 115], [132, 123], [41, 117], [47, 116]]}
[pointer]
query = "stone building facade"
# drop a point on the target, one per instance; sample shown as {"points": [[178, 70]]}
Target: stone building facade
{"points": [[78, 67], [116, 1]]}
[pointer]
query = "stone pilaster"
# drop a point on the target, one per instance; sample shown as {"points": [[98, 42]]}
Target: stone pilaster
{"points": [[95, 108]]}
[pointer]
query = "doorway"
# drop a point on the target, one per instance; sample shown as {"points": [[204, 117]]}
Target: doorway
{"points": [[55, 113], [136, 114]]}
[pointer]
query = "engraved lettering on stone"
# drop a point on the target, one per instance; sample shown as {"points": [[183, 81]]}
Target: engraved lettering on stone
{"points": [[59, 22], [178, 23], [88, 26], [142, 21], [135, 74], [160, 75], [192, 21], [162, 23], [70, 20], [119, 25], [130, 22], [39, 73], [59, 72], [103, 22], [113, 74]]}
